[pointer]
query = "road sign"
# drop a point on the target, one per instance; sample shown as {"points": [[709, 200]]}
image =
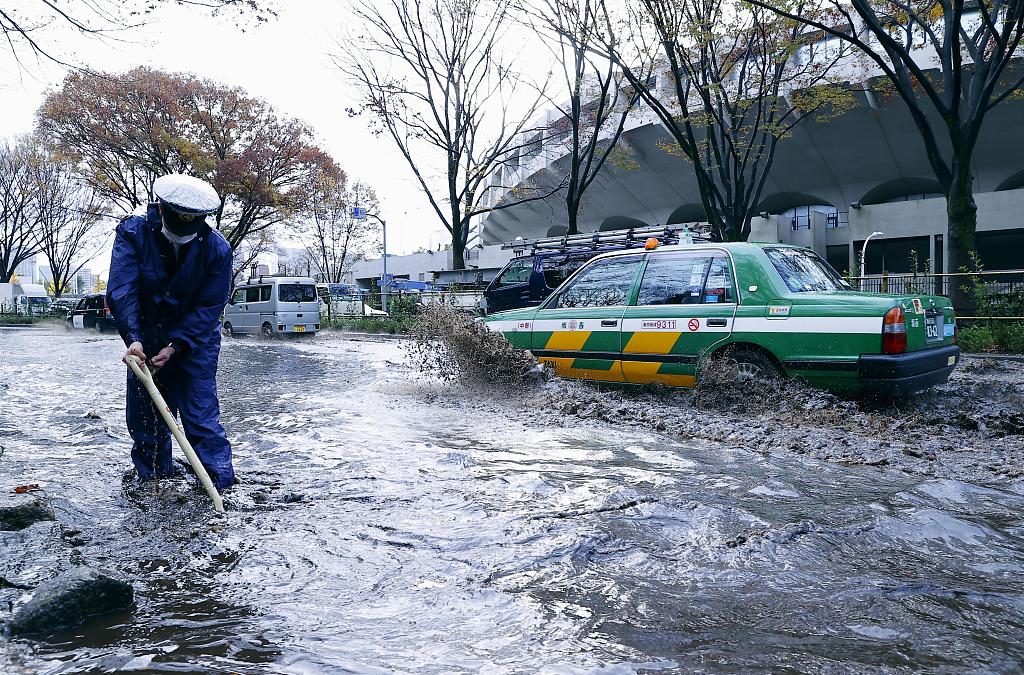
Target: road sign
{"points": [[359, 213]]}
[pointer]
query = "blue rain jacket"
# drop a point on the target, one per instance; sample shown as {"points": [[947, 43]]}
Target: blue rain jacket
{"points": [[151, 308]]}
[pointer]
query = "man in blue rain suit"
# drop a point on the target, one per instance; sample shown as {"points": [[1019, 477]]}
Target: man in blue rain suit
{"points": [[170, 275]]}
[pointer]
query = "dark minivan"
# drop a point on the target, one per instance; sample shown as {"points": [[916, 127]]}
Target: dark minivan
{"points": [[541, 265]]}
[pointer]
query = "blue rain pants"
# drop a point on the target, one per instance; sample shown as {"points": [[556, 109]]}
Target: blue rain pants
{"points": [[195, 400]]}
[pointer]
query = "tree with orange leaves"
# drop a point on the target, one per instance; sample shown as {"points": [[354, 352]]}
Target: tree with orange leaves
{"points": [[125, 130]]}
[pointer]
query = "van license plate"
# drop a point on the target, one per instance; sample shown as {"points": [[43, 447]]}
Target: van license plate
{"points": [[298, 329]]}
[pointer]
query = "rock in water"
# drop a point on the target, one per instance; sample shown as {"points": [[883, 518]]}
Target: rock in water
{"points": [[69, 599], [20, 516]]}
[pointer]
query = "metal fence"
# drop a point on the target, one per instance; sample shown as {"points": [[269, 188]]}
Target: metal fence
{"points": [[999, 283], [33, 310]]}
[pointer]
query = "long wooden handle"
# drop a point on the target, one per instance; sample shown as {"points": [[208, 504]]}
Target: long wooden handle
{"points": [[142, 372]]}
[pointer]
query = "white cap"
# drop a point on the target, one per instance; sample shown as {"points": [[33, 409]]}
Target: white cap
{"points": [[186, 194]]}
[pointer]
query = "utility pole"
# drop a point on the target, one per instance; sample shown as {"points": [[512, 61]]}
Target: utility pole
{"points": [[360, 213]]}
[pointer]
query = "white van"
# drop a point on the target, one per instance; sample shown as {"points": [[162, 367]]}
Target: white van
{"points": [[273, 306]]}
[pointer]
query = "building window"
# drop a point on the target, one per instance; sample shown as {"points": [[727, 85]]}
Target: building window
{"points": [[894, 256], [1001, 249], [839, 258]]}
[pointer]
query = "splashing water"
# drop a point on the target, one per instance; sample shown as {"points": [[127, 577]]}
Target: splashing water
{"points": [[450, 345]]}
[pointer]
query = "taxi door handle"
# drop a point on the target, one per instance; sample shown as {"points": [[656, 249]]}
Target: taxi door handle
{"points": [[717, 322], [609, 323]]}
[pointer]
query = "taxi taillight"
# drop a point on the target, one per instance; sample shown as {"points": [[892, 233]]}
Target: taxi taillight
{"points": [[894, 332]]}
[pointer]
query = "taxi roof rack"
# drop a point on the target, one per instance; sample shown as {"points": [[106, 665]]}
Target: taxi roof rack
{"points": [[614, 239]]}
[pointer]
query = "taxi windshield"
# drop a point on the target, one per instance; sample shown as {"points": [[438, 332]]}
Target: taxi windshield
{"points": [[803, 271]]}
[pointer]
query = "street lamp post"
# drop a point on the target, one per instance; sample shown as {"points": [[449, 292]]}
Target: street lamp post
{"points": [[360, 213], [863, 255]]}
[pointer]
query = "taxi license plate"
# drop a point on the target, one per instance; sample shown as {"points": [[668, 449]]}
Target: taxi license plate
{"points": [[298, 329], [933, 328]]}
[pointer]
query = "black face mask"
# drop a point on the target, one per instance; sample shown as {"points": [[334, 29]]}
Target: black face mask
{"points": [[179, 224]]}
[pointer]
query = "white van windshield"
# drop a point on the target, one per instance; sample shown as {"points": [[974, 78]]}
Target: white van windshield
{"points": [[296, 293]]}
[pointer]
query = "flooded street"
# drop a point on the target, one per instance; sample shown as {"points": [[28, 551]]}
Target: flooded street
{"points": [[387, 522]]}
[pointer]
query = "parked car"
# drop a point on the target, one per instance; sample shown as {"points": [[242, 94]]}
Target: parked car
{"points": [[91, 312], [273, 306], [62, 306], [661, 315]]}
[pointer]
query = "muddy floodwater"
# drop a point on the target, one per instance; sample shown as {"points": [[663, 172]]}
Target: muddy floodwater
{"points": [[387, 522]]}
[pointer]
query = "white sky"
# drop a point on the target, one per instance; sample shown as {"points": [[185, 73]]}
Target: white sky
{"points": [[285, 61]]}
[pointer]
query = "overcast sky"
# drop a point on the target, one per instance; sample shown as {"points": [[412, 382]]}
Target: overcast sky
{"points": [[286, 61]]}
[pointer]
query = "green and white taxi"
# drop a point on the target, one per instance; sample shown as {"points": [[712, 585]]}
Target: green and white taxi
{"points": [[658, 315]]}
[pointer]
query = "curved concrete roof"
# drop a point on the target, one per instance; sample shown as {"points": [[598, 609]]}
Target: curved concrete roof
{"points": [[867, 154]]}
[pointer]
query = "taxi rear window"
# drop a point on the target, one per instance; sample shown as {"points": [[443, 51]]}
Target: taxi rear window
{"points": [[803, 271]]}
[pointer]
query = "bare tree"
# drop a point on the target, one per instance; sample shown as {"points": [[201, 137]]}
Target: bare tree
{"points": [[245, 256], [950, 62], [600, 98], [69, 217], [722, 78], [433, 79], [25, 26], [334, 238], [19, 215]]}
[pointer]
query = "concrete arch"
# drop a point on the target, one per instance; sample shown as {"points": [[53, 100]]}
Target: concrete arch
{"points": [[901, 187], [620, 223], [783, 201], [1014, 182], [687, 213]]}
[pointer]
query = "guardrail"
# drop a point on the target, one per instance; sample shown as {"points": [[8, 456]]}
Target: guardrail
{"points": [[365, 305]]}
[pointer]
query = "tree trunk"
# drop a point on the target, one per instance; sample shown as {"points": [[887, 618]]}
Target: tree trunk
{"points": [[573, 216], [458, 254], [962, 219]]}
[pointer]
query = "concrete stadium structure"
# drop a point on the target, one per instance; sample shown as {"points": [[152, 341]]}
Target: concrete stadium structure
{"points": [[833, 183]]}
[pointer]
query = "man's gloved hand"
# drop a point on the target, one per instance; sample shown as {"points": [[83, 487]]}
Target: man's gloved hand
{"points": [[161, 359], [135, 349]]}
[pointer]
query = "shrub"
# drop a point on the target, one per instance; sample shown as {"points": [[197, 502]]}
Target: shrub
{"points": [[373, 324], [1009, 337], [977, 338]]}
